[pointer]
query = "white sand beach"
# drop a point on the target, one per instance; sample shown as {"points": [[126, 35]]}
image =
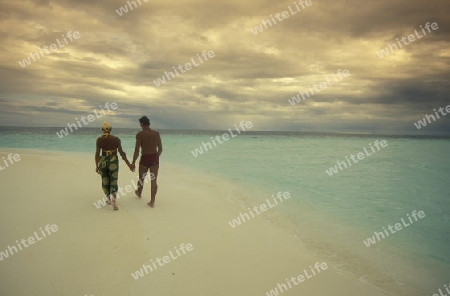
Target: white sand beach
{"points": [[95, 251]]}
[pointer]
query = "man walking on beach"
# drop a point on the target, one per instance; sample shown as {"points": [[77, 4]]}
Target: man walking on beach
{"points": [[150, 142]]}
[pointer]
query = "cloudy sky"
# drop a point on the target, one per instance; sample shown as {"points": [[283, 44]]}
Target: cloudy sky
{"points": [[251, 77]]}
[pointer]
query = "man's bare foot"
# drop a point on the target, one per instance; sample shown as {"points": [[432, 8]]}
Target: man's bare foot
{"points": [[137, 194], [108, 202], [114, 206], [151, 204]]}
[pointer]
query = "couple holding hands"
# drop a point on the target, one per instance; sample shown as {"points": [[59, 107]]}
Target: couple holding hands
{"points": [[107, 162]]}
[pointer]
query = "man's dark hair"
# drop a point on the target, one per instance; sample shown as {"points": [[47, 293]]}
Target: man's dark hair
{"points": [[144, 120]]}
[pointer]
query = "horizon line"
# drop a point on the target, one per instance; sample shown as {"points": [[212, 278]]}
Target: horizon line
{"points": [[404, 133]]}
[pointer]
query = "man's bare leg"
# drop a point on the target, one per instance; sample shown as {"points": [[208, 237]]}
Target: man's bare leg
{"points": [[153, 172], [142, 173]]}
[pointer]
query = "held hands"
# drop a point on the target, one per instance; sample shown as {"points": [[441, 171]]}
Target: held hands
{"points": [[132, 167]]}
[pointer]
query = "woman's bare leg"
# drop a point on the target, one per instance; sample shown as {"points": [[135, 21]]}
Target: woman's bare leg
{"points": [[113, 201]]}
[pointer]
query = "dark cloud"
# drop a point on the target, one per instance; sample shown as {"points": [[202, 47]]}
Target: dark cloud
{"points": [[251, 77]]}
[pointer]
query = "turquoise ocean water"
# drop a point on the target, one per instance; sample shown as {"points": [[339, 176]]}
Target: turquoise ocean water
{"points": [[330, 215]]}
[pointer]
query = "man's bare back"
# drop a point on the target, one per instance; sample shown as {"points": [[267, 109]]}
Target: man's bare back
{"points": [[149, 141]]}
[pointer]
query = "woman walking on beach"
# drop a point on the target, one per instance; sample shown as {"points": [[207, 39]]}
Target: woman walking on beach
{"points": [[107, 164]]}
